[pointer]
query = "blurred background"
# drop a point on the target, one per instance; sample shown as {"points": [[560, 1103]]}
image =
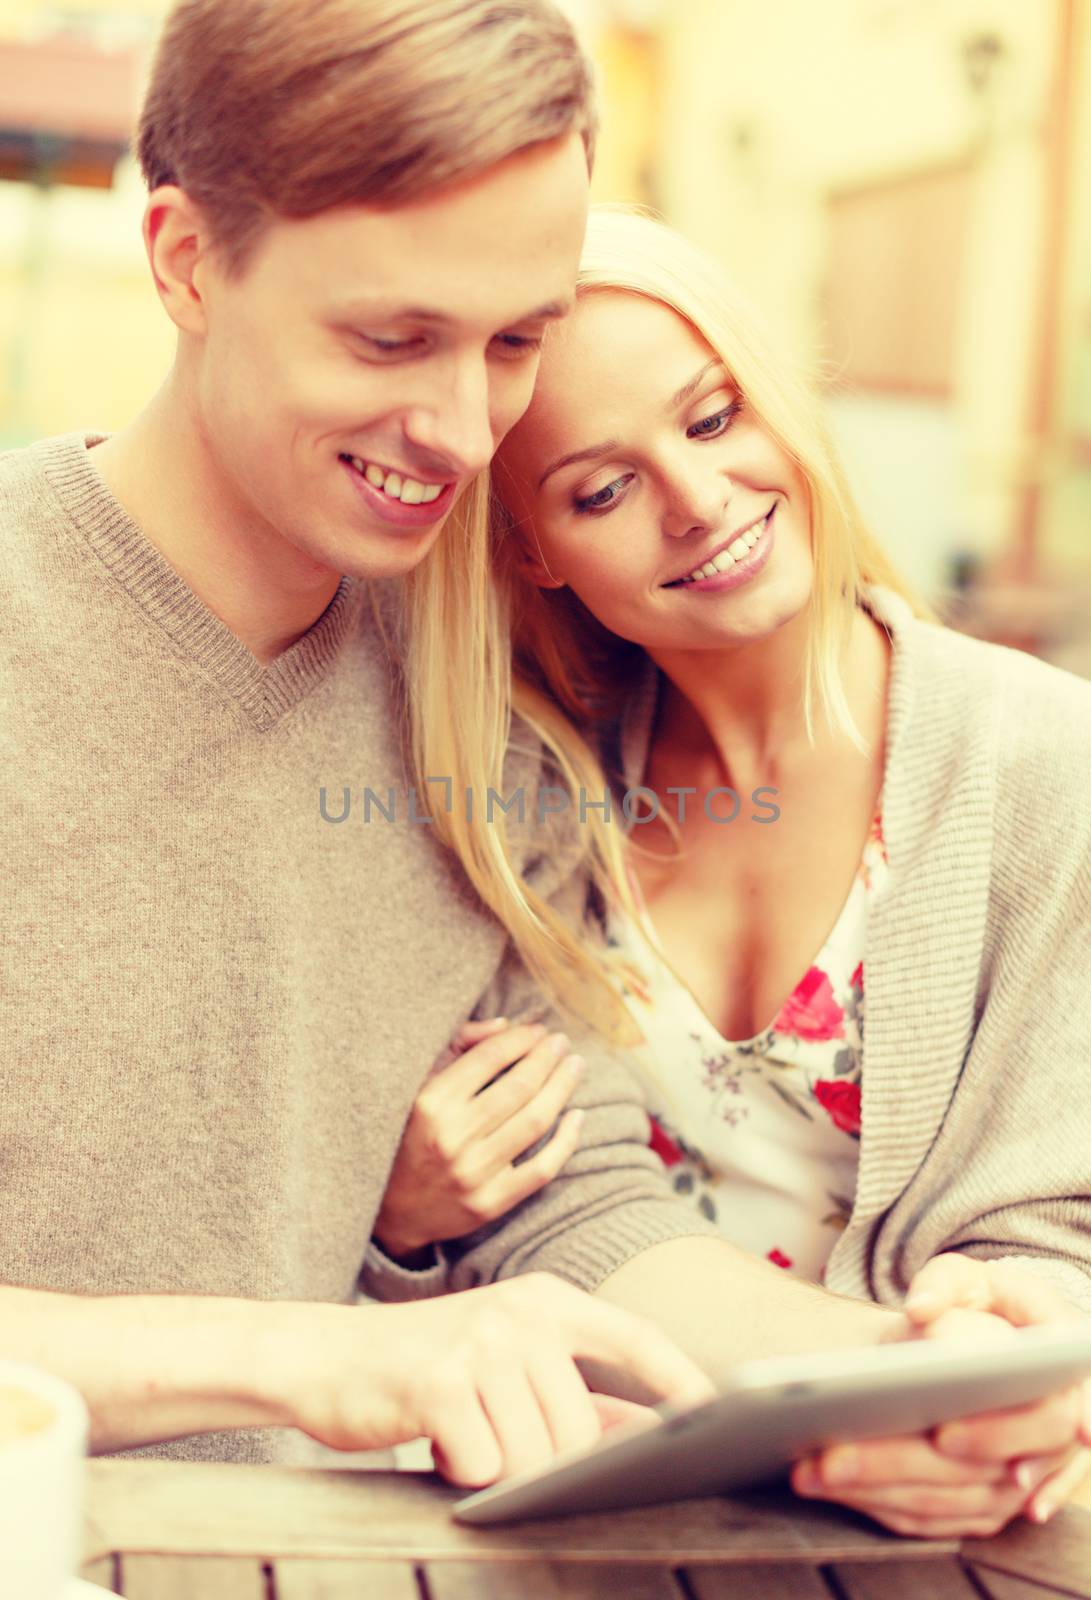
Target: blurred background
{"points": [[902, 186]]}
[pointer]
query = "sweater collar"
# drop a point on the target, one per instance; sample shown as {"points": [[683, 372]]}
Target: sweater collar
{"points": [[92, 514]]}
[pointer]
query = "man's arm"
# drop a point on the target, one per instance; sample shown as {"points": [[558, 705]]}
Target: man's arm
{"points": [[722, 1305], [489, 1377], [151, 1367]]}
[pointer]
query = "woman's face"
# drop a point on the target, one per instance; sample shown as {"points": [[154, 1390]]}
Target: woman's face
{"points": [[648, 487]]}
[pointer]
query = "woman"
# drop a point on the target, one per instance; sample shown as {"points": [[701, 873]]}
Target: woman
{"points": [[844, 808]]}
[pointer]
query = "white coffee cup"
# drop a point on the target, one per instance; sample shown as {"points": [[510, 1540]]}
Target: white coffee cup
{"points": [[43, 1443]]}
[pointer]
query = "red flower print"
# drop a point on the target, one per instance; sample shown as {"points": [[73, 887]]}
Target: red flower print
{"points": [[842, 1101], [811, 1012], [664, 1147], [857, 979], [778, 1258]]}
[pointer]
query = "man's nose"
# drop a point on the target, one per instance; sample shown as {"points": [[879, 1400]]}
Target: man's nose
{"points": [[453, 424]]}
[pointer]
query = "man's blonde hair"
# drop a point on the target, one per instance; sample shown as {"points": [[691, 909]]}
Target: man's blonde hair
{"points": [[286, 108]]}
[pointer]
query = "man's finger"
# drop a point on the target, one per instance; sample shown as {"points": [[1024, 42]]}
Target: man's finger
{"points": [[569, 1408], [465, 1448], [515, 1413], [599, 1331]]}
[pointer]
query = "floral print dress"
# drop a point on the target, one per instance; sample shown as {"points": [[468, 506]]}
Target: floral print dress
{"points": [[762, 1133]]}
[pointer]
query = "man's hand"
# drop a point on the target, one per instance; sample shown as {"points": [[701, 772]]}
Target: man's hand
{"points": [[454, 1169], [968, 1478], [488, 1375]]}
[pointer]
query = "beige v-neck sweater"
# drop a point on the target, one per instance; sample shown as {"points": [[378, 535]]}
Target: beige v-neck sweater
{"points": [[217, 1006], [976, 1106]]}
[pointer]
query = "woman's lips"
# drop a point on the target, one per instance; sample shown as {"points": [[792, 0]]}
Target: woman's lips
{"points": [[750, 565]]}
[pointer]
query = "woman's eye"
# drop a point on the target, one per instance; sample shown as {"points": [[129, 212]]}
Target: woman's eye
{"points": [[604, 498], [709, 427]]}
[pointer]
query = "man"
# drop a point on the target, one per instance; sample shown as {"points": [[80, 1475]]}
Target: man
{"points": [[361, 222]]}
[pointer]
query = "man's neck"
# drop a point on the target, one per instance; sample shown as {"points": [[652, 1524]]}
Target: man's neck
{"points": [[163, 472]]}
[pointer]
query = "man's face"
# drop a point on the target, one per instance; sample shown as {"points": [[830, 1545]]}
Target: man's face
{"points": [[368, 361]]}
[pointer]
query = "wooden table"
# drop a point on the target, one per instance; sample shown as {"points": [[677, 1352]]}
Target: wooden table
{"points": [[160, 1530]]}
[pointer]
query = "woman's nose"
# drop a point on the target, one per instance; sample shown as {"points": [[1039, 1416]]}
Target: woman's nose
{"points": [[695, 503]]}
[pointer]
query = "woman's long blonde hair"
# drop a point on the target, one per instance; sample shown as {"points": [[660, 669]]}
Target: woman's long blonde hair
{"points": [[483, 646]]}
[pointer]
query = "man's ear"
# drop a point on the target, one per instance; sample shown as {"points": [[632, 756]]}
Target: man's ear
{"points": [[177, 239]]}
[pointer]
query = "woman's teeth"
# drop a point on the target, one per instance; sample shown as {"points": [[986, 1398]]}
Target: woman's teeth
{"points": [[407, 490], [735, 551]]}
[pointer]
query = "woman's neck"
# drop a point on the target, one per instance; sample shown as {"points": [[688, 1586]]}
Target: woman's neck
{"points": [[735, 717]]}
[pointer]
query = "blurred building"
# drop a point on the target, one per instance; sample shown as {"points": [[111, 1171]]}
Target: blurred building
{"points": [[902, 186]]}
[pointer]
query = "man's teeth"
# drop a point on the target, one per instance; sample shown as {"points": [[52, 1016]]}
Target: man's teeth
{"points": [[734, 552], [407, 490]]}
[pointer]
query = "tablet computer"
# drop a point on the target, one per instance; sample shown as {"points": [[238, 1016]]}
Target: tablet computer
{"points": [[775, 1410]]}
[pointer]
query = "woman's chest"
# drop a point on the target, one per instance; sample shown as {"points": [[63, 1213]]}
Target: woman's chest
{"points": [[741, 915]]}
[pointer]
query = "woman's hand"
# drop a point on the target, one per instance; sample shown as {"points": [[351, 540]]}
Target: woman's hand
{"points": [[494, 1092], [971, 1477]]}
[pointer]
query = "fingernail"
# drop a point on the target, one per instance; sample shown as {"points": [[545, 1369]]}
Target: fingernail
{"points": [[1042, 1510], [1023, 1474], [559, 1043], [575, 1065], [921, 1305]]}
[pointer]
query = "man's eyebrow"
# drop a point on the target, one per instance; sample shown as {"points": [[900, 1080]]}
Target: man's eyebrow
{"points": [[685, 392], [550, 312]]}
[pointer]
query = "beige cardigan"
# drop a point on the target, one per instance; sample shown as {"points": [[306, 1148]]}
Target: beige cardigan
{"points": [[976, 1111]]}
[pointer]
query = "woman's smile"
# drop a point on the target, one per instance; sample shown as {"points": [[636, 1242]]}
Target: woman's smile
{"points": [[734, 562]]}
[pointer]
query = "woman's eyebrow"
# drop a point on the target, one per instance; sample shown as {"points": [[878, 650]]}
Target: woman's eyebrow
{"points": [[685, 392], [690, 388], [589, 454]]}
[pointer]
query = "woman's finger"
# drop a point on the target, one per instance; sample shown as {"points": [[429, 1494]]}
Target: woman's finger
{"points": [[472, 1033], [516, 1136], [1013, 1293], [498, 1102], [478, 1065], [1058, 1488], [935, 1510], [904, 1459], [945, 1282], [512, 1185], [1033, 1430]]}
